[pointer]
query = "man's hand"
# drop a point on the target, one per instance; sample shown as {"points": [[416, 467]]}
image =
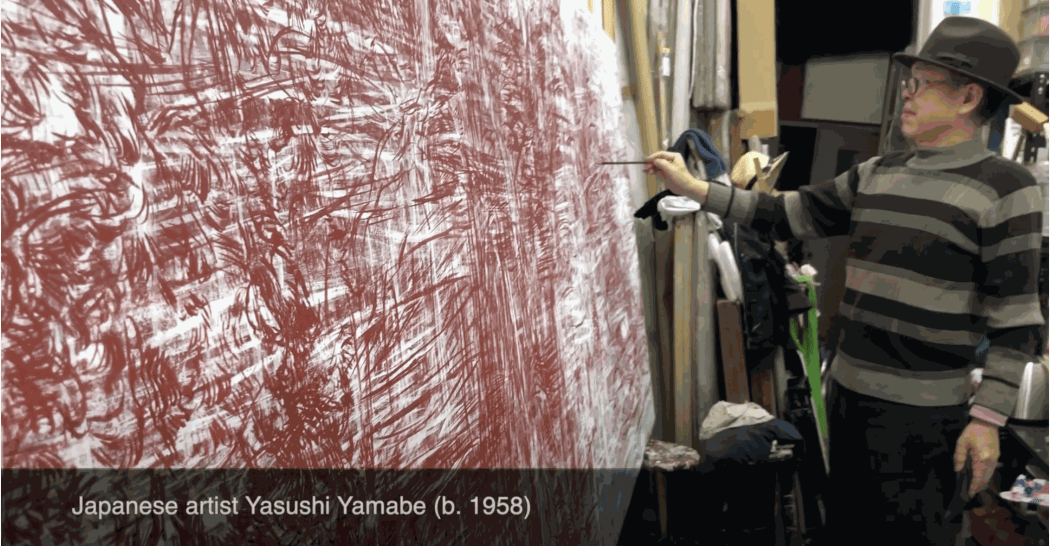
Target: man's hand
{"points": [[981, 442], [672, 170]]}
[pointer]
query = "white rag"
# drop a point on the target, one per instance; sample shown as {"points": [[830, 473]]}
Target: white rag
{"points": [[726, 415]]}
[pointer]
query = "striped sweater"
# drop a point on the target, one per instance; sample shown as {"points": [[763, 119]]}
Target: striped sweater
{"points": [[944, 246]]}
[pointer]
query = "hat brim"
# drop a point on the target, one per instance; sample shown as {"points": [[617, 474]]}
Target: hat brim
{"points": [[1008, 95]]}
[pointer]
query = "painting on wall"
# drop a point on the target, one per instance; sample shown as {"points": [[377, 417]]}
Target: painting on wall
{"points": [[316, 234]]}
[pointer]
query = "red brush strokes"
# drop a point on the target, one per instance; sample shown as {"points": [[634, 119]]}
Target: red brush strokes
{"points": [[313, 234]]}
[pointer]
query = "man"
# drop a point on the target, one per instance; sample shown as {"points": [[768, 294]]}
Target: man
{"points": [[944, 240]]}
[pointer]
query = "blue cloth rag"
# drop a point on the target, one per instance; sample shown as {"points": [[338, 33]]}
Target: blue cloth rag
{"points": [[712, 160]]}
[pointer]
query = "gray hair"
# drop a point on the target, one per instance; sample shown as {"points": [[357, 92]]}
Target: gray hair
{"points": [[982, 114]]}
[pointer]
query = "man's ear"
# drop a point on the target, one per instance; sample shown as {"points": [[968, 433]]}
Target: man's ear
{"points": [[974, 94]]}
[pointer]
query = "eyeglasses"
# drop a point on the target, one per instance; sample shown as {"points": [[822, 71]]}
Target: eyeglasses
{"points": [[915, 84]]}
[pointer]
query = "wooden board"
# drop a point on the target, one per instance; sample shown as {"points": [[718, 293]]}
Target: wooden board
{"points": [[756, 67], [609, 18], [731, 340], [646, 107], [704, 323], [763, 389], [683, 330], [663, 273]]}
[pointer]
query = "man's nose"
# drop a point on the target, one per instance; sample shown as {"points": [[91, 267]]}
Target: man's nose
{"points": [[904, 91]]}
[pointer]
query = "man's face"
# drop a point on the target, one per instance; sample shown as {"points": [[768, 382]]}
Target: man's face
{"points": [[930, 107]]}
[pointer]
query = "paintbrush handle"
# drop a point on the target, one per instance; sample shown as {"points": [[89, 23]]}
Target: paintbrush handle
{"points": [[623, 163]]}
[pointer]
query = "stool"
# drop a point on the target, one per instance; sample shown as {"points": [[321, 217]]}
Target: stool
{"points": [[663, 457]]}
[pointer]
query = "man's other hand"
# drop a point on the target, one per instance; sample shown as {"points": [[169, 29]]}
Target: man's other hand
{"points": [[981, 442]]}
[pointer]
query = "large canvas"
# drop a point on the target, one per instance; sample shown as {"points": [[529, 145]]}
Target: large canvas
{"points": [[251, 235], [316, 234]]}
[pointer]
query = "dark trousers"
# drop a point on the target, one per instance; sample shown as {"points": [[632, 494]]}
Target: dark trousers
{"points": [[892, 475]]}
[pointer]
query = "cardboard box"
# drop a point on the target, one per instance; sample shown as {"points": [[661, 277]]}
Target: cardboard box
{"points": [[1030, 117]]}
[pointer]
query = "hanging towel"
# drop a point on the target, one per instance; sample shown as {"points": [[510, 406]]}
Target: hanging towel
{"points": [[704, 148]]}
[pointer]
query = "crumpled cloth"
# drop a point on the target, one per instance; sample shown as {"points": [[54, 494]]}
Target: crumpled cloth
{"points": [[669, 457], [651, 210], [726, 415], [676, 205]]}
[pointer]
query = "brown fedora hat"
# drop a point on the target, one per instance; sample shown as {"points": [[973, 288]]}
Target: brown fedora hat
{"points": [[974, 48]]}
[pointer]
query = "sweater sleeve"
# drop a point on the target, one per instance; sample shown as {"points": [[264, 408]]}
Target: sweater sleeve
{"points": [[1007, 298], [812, 212]]}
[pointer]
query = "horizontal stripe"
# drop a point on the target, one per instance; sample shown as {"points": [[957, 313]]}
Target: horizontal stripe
{"points": [[913, 315], [928, 389], [743, 207], [828, 204], [1010, 275], [1000, 175], [996, 396], [769, 217], [906, 353], [717, 199], [847, 181], [727, 202], [865, 363], [801, 221], [909, 275], [1012, 312], [1021, 243], [956, 156], [1007, 365], [909, 292], [894, 160], [874, 243], [939, 212], [997, 380], [920, 223], [987, 192], [963, 196], [1019, 339], [1019, 203], [1012, 227], [988, 416], [922, 333]]}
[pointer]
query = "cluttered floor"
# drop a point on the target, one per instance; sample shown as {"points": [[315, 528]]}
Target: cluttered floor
{"points": [[763, 504], [696, 522]]}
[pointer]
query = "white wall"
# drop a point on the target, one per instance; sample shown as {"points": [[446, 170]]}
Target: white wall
{"points": [[931, 13]]}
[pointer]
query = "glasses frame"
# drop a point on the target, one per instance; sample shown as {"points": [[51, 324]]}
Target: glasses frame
{"points": [[914, 84]]}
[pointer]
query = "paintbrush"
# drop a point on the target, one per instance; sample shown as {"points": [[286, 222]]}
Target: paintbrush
{"points": [[623, 163]]}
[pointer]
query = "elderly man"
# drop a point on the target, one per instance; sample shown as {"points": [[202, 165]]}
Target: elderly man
{"points": [[944, 240]]}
